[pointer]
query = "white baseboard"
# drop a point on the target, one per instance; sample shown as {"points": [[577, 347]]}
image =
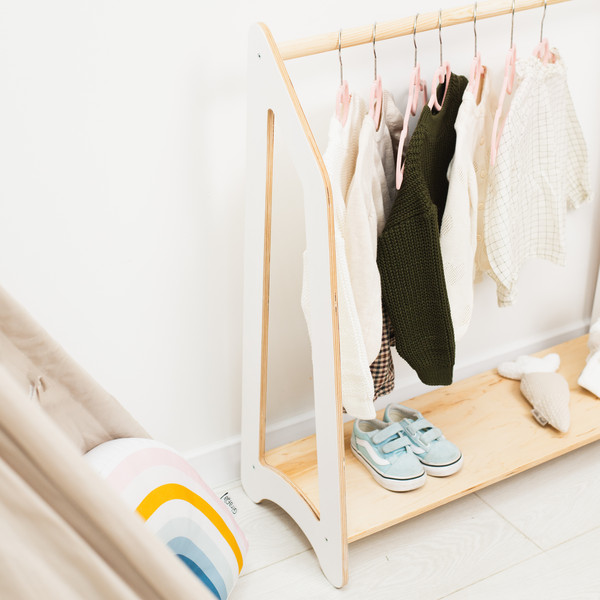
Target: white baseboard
{"points": [[219, 463]]}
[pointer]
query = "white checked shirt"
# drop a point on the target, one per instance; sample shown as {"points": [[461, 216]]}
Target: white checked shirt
{"points": [[540, 171]]}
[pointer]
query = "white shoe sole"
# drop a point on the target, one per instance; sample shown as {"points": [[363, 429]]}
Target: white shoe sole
{"points": [[394, 485], [445, 470]]}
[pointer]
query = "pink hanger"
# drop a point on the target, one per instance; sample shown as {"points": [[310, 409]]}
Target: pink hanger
{"points": [[442, 74], [342, 98], [542, 50], [477, 69], [507, 88], [415, 87], [376, 95]]}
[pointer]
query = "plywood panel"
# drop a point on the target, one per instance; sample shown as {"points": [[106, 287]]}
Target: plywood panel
{"points": [[486, 416]]}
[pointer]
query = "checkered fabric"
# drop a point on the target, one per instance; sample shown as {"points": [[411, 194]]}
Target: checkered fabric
{"points": [[541, 170], [382, 368]]}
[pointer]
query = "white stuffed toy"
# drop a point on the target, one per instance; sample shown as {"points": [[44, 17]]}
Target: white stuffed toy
{"points": [[590, 376], [546, 391]]}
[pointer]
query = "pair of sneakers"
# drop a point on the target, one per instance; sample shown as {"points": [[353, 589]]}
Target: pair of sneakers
{"points": [[402, 449]]}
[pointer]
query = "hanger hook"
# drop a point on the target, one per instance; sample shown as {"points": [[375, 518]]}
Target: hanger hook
{"points": [[415, 37], [512, 24], [543, 17], [340, 57], [440, 33], [475, 26], [374, 52]]}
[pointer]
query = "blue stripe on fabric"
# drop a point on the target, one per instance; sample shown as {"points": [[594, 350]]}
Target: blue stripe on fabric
{"points": [[183, 546], [197, 571], [185, 527]]}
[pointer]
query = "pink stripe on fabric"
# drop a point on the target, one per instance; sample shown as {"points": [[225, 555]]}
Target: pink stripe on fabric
{"points": [[151, 457]]}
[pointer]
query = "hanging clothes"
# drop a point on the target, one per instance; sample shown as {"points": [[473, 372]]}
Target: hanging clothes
{"points": [[468, 179], [340, 160], [364, 216], [387, 138], [541, 170], [409, 258]]}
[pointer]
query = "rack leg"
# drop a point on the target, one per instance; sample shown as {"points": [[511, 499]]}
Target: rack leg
{"points": [[271, 96]]}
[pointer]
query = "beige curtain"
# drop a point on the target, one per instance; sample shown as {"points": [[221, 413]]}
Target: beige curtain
{"points": [[64, 533]]}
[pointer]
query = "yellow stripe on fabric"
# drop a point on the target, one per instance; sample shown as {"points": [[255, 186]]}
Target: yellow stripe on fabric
{"points": [[174, 491]]}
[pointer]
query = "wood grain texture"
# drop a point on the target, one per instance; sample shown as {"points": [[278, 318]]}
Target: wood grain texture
{"points": [[550, 505], [567, 572], [486, 416], [429, 557], [356, 36]]}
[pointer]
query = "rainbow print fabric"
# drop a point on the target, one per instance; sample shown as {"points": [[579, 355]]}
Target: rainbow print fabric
{"points": [[178, 507]]}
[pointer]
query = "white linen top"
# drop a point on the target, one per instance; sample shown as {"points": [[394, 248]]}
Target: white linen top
{"points": [[541, 170], [340, 159], [468, 177]]}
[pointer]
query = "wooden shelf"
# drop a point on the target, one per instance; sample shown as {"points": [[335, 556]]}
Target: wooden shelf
{"points": [[486, 416]]}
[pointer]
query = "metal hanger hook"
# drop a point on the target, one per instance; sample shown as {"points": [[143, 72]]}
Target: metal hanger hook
{"points": [[374, 52], [543, 17], [440, 33], [415, 37], [340, 57], [512, 24], [475, 26]]}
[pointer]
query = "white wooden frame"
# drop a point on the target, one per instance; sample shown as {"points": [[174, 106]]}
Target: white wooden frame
{"points": [[272, 103]]}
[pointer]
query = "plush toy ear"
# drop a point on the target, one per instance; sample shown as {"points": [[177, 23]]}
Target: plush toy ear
{"points": [[549, 395], [529, 364]]}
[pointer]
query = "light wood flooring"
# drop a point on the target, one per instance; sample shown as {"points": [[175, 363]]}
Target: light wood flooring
{"points": [[535, 536]]}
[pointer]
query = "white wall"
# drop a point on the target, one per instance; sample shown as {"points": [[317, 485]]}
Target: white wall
{"points": [[122, 151]]}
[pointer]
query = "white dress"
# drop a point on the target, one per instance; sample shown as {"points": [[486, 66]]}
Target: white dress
{"points": [[340, 159], [541, 170], [468, 177]]}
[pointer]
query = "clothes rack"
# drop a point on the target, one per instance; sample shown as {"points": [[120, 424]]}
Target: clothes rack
{"points": [[316, 480]]}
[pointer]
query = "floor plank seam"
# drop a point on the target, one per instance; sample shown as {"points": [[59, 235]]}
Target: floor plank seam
{"points": [[581, 534], [493, 574], [510, 523], [466, 587]]}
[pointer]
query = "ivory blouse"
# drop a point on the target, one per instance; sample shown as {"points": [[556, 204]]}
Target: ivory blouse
{"points": [[468, 176]]}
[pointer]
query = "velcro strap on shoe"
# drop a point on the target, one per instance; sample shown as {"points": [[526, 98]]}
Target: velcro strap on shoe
{"points": [[385, 434], [395, 445]]}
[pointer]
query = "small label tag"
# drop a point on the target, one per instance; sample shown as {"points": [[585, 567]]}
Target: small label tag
{"points": [[229, 502], [538, 417]]}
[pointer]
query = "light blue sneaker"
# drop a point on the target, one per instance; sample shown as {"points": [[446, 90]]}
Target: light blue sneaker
{"points": [[438, 456], [386, 453]]}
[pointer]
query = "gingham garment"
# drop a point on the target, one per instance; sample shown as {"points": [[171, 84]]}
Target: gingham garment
{"points": [[541, 170], [382, 368]]}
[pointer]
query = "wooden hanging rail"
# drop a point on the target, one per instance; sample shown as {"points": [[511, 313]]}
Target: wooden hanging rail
{"points": [[356, 36]]}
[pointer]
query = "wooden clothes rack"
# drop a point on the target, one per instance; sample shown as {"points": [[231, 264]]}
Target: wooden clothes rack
{"points": [[317, 480]]}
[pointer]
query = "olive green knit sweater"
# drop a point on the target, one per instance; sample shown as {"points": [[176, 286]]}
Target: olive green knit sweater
{"points": [[409, 257]]}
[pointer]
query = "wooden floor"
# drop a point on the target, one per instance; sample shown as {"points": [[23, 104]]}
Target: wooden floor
{"points": [[533, 536]]}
